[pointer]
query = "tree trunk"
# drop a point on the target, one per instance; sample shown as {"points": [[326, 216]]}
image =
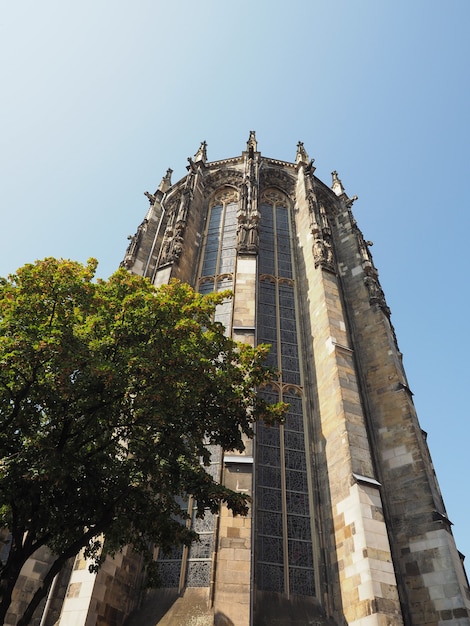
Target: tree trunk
{"points": [[8, 581], [43, 589], [55, 568]]}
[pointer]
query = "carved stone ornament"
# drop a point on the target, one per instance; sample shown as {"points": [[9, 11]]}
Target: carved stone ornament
{"points": [[364, 251], [312, 203], [320, 228], [241, 231], [323, 252], [376, 294], [173, 240], [351, 201], [225, 196], [201, 154], [172, 204], [133, 246], [336, 184], [248, 236], [172, 246], [325, 225], [150, 197], [252, 144], [274, 197], [165, 183], [301, 156]]}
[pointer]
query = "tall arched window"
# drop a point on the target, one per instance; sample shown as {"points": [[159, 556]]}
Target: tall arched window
{"points": [[284, 560], [192, 567], [219, 251]]}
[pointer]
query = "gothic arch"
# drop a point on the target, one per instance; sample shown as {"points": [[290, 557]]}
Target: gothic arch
{"points": [[224, 195], [276, 196], [223, 178]]}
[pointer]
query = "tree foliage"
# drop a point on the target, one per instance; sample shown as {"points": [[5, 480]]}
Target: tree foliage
{"points": [[109, 393]]}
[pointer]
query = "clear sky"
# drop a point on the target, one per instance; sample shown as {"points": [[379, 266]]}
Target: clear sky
{"points": [[99, 98]]}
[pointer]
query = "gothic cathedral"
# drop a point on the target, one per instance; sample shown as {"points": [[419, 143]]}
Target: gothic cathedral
{"points": [[347, 524]]}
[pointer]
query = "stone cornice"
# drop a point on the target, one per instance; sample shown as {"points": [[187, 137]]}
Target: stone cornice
{"points": [[277, 162], [232, 160]]}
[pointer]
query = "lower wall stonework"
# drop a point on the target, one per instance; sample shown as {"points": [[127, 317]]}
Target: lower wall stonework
{"points": [[436, 579], [367, 578]]}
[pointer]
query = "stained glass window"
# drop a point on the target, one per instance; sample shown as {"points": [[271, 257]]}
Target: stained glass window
{"points": [[211, 250], [216, 275], [200, 553], [282, 514], [219, 251], [199, 574], [220, 239], [169, 572], [169, 564]]}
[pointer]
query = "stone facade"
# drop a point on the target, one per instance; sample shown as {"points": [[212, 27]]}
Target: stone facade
{"points": [[347, 523]]}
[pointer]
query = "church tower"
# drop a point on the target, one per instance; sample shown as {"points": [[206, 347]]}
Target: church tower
{"points": [[347, 524]]}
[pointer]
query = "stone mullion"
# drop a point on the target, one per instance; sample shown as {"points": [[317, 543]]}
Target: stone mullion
{"points": [[219, 249], [185, 555]]}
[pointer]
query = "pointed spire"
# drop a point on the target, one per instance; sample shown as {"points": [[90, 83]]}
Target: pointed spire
{"points": [[301, 156], [201, 154], [336, 184], [252, 144], [166, 181]]}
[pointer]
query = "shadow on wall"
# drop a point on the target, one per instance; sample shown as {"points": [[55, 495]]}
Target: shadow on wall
{"points": [[222, 620]]}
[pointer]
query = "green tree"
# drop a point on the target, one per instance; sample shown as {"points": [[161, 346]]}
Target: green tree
{"points": [[109, 393]]}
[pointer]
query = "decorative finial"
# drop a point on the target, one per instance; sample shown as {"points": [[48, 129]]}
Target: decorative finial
{"points": [[201, 154], [166, 181], [252, 144], [302, 156], [337, 185]]}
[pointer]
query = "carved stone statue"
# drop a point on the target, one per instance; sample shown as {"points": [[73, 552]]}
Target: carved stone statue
{"points": [[323, 252], [242, 236], [328, 251], [253, 236], [177, 248], [166, 249], [318, 251]]}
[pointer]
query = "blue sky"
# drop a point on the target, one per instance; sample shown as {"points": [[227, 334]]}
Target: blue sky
{"points": [[100, 98]]}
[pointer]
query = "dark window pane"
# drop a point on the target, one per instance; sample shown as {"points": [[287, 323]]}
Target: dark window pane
{"points": [[270, 577], [301, 581], [299, 528], [300, 553], [270, 549]]}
